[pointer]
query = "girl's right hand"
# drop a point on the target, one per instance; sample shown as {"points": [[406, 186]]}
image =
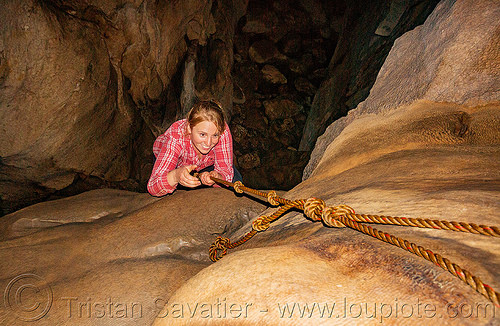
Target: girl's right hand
{"points": [[185, 178]]}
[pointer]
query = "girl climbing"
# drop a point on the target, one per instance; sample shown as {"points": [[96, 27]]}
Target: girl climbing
{"points": [[201, 142]]}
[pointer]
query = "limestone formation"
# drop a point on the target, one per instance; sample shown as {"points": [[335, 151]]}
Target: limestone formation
{"points": [[450, 58], [129, 255], [88, 207]]}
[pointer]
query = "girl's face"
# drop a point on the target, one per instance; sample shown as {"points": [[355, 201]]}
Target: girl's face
{"points": [[204, 136]]}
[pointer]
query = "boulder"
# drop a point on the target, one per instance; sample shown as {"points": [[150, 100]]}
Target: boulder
{"points": [[291, 44], [273, 75], [264, 51], [281, 108], [249, 160], [304, 86]]}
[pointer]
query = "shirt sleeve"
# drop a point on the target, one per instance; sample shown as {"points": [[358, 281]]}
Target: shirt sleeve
{"points": [[224, 155], [158, 144], [168, 148]]}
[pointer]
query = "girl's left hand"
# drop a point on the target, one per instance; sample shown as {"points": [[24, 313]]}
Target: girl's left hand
{"points": [[206, 177]]}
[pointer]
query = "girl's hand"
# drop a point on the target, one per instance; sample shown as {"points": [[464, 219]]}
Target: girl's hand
{"points": [[186, 179], [206, 177]]}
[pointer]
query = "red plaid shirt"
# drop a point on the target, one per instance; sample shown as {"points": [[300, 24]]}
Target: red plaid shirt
{"points": [[174, 149]]}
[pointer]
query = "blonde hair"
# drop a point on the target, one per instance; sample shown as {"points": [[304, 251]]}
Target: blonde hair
{"points": [[207, 111]]}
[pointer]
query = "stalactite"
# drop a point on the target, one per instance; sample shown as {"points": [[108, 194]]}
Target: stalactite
{"points": [[188, 96]]}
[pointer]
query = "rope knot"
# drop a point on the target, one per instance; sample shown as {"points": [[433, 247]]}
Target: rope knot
{"points": [[313, 208], [220, 244], [237, 186], [331, 215], [261, 224], [271, 195]]}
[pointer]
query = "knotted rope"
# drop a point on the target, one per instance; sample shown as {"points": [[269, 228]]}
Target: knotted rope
{"points": [[344, 216]]}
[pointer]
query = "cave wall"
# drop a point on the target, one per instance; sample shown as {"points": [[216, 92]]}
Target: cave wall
{"points": [[353, 68], [442, 60], [86, 86]]}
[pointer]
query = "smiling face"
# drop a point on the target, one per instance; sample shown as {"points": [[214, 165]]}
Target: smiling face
{"points": [[204, 136]]}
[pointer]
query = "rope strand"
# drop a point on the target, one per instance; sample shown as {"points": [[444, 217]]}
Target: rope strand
{"points": [[344, 216]]}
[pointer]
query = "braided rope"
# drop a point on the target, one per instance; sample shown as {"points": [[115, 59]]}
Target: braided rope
{"points": [[473, 281], [237, 187], [331, 215], [313, 208], [271, 195], [262, 223], [343, 215], [428, 223], [220, 246]]}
